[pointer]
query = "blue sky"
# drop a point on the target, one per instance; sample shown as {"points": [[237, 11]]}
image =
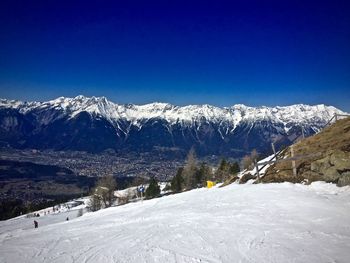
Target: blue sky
{"points": [[215, 52]]}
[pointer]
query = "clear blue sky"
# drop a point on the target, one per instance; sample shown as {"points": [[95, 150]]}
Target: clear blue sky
{"points": [[216, 52]]}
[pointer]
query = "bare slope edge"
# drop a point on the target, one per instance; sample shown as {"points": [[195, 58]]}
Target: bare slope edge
{"points": [[329, 160]]}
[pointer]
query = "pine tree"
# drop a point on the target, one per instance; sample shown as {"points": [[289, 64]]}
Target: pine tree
{"points": [[222, 173], [153, 189], [223, 164], [177, 183], [234, 168], [203, 174]]}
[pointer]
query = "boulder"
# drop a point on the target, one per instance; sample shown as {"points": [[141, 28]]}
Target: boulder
{"points": [[320, 165], [231, 180], [331, 174], [245, 178], [331, 166], [281, 176], [312, 176], [344, 179], [340, 160]]}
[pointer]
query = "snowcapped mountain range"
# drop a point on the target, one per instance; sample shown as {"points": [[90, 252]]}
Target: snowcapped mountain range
{"points": [[95, 124], [100, 106]]}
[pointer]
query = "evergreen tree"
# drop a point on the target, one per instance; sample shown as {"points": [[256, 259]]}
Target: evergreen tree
{"points": [[223, 165], [153, 189], [203, 174], [222, 173], [234, 168], [177, 183]]}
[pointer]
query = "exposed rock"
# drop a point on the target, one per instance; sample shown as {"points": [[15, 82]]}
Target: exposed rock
{"points": [[327, 158], [331, 174], [245, 178], [320, 165], [281, 176], [344, 179], [340, 160], [231, 180], [311, 176], [330, 168]]}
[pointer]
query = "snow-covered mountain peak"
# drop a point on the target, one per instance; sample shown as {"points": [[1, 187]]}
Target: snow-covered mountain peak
{"points": [[5, 103], [299, 113], [212, 129], [154, 106]]}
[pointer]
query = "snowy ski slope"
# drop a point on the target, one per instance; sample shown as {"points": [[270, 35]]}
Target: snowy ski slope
{"points": [[237, 223]]}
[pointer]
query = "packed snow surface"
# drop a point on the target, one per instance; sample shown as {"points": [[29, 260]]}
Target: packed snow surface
{"points": [[238, 223]]}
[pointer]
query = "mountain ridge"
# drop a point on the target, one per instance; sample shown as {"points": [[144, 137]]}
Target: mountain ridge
{"points": [[171, 113], [91, 123]]}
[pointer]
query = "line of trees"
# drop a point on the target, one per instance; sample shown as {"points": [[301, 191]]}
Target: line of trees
{"points": [[102, 196], [194, 175]]}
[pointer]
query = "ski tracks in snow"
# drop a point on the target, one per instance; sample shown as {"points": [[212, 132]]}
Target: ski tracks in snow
{"points": [[239, 223]]}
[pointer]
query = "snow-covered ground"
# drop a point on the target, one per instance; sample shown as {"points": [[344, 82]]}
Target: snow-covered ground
{"points": [[262, 167], [237, 223]]}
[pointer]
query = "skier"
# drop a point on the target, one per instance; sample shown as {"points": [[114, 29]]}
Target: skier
{"points": [[36, 224], [67, 219]]}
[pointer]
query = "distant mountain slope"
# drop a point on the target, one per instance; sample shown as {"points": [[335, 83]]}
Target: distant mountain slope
{"points": [[95, 124]]}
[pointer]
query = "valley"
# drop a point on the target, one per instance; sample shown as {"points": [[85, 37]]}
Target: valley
{"points": [[102, 164], [32, 179]]}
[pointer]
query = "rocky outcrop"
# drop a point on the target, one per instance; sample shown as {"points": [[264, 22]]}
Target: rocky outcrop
{"points": [[245, 178], [331, 168], [230, 180], [344, 179], [327, 158]]}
